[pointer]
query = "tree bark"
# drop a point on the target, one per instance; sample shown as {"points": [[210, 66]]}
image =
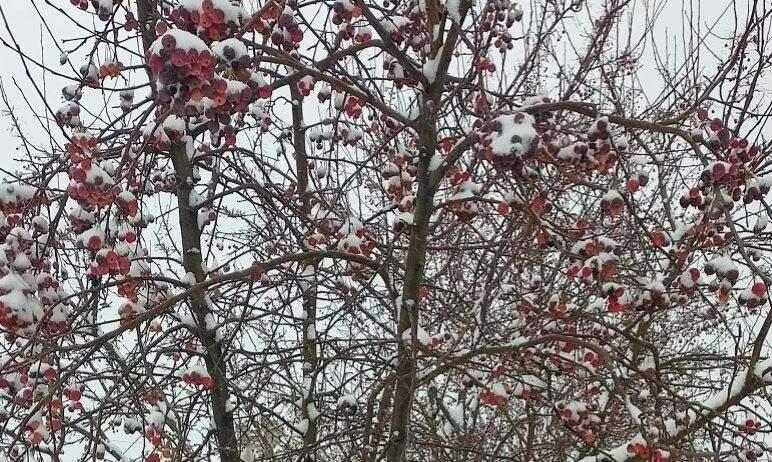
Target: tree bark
{"points": [[409, 309], [310, 354], [191, 261]]}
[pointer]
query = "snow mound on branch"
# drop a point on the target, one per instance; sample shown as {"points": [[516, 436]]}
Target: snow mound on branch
{"points": [[516, 135], [236, 45], [232, 12], [184, 41]]}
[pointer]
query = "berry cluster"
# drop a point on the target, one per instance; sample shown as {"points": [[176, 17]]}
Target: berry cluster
{"points": [[198, 376], [594, 259], [578, 415], [462, 202], [616, 296], [644, 452], [350, 104], [109, 262], [211, 20], [501, 14], [507, 141], [495, 395], [184, 66], [68, 115], [14, 199], [130, 310], [91, 185], [750, 426], [110, 70], [612, 203], [103, 8], [754, 296], [344, 11], [352, 238]]}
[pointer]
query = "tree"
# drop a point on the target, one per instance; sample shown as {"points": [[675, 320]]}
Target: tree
{"points": [[404, 231]]}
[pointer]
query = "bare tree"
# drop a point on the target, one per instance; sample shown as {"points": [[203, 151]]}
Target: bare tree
{"points": [[403, 230]]}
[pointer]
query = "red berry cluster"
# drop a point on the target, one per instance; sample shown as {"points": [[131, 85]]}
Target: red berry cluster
{"points": [[81, 219], [110, 70], [103, 8], [688, 281], [396, 73], [109, 262], [750, 426], [593, 359], [286, 32], [80, 147], [68, 115], [615, 296], [349, 137], [398, 176], [305, 85], [14, 199], [261, 115], [356, 242], [129, 310], [612, 203], [593, 259], [578, 415], [353, 106], [184, 67], [461, 202], [344, 11], [754, 296], [496, 395], [639, 179], [501, 13], [198, 377], [644, 452], [507, 141], [90, 185], [127, 203], [212, 20]]}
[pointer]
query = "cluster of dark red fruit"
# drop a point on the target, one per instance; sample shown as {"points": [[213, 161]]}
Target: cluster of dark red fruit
{"points": [[496, 395], [110, 70], [615, 297], [507, 141], [286, 32], [356, 243], [353, 106], [109, 262], [750, 426], [644, 452], [344, 11], [14, 199], [577, 415], [396, 72], [612, 203], [129, 310], [754, 296], [587, 262], [462, 202], [501, 12], [68, 115], [90, 185], [184, 66], [212, 20], [398, 175], [103, 8], [198, 377]]}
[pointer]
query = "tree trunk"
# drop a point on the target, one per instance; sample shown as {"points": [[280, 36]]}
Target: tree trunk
{"points": [[191, 260], [409, 309], [310, 355]]}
